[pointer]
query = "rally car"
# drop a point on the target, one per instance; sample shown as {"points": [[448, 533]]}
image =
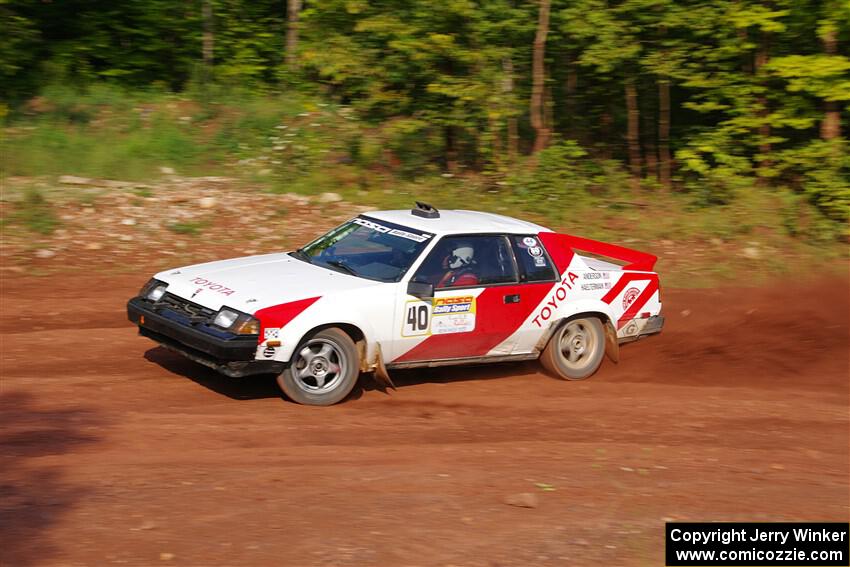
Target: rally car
{"points": [[403, 289]]}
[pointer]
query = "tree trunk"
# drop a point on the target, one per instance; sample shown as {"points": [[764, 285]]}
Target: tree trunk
{"points": [[451, 149], [605, 141], [570, 95], [648, 144], [830, 128], [495, 134], [664, 132], [548, 110], [513, 138], [633, 132], [513, 135], [207, 16], [293, 9], [538, 73]]}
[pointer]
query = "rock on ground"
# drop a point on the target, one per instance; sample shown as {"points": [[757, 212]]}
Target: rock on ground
{"points": [[522, 500]]}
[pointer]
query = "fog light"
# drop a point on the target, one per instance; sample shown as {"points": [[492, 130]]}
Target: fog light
{"points": [[248, 327]]}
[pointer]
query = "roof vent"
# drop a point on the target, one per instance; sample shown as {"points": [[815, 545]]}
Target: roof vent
{"points": [[425, 211]]}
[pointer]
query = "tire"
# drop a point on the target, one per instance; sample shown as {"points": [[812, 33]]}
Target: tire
{"points": [[323, 369], [576, 349]]}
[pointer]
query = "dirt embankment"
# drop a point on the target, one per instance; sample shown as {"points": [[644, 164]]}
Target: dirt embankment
{"points": [[117, 452]]}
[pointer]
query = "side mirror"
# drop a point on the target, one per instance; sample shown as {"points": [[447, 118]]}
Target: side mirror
{"points": [[421, 290]]}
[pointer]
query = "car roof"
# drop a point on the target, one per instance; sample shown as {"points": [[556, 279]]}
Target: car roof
{"points": [[459, 222]]}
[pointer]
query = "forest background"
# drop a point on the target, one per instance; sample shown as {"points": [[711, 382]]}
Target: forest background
{"points": [[714, 121]]}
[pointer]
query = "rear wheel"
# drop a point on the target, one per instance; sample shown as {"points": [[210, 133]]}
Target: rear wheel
{"points": [[576, 349], [323, 369]]}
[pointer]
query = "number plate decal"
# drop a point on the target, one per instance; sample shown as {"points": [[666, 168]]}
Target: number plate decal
{"points": [[417, 319]]}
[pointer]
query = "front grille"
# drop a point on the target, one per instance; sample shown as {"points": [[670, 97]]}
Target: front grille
{"points": [[196, 313]]}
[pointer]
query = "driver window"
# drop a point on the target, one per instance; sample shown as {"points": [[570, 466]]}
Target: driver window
{"points": [[468, 261]]}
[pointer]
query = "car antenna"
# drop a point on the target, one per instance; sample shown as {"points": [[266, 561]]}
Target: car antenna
{"points": [[425, 211]]}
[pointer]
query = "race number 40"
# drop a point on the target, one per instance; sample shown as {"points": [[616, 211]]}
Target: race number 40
{"points": [[417, 319]]}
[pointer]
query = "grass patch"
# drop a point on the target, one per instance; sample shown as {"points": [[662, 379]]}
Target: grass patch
{"points": [[35, 213], [188, 227], [143, 192]]}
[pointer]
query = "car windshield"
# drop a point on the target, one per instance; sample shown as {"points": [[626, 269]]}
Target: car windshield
{"points": [[367, 248]]}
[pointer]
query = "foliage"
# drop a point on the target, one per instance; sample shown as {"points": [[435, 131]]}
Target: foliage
{"points": [[189, 227], [560, 173], [823, 168], [414, 88]]}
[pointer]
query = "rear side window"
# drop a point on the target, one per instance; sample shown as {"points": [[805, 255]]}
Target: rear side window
{"points": [[534, 264]]}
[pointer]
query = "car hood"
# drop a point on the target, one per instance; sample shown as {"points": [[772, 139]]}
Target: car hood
{"points": [[255, 282]]}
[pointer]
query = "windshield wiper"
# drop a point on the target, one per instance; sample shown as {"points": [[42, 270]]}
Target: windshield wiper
{"points": [[301, 255], [345, 267]]}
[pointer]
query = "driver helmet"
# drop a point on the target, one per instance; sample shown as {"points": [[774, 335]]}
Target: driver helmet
{"points": [[462, 255]]}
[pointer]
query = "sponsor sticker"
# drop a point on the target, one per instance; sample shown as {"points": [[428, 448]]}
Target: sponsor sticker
{"points": [[271, 333], [629, 297], [392, 231], [630, 330], [409, 235], [453, 315], [555, 300], [539, 261], [529, 241], [373, 225], [536, 251]]}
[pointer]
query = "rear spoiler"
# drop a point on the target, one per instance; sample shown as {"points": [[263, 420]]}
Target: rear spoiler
{"points": [[562, 247]]}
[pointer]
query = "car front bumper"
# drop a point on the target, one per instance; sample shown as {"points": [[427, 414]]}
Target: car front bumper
{"points": [[232, 355]]}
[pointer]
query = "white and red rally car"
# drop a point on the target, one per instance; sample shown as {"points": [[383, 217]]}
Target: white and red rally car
{"points": [[401, 289]]}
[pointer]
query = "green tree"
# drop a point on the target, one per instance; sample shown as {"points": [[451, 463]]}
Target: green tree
{"points": [[17, 50], [609, 47]]}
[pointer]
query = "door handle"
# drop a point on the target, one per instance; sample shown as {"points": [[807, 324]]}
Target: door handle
{"points": [[513, 298]]}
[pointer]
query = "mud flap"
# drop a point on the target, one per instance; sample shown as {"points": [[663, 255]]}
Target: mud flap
{"points": [[612, 346], [381, 374]]}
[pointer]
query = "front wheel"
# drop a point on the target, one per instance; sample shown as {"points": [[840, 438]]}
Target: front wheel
{"points": [[323, 369], [576, 349]]}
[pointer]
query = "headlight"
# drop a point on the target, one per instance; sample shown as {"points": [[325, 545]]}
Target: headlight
{"points": [[153, 290], [156, 293], [236, 322], [225, 318]]}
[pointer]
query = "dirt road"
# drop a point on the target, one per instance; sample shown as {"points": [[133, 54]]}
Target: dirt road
{"points": [[117, 452]]}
